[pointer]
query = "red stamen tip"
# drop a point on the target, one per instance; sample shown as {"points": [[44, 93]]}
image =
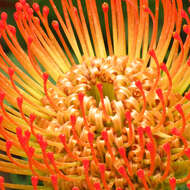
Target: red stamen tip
{"points": [[73, 120], [183, 13], [9, 144], [1, 119], [140, 130], [122, 170], [175, 131], [81, 97], [18, 6], [166, 147], [99, 86], [54, 180], [86, 164], [102, 168], [75, 188], [62, 138], [23, 2], [119, 188], [36, 7], [50, 156], [19, 101], [122, 151], [172, 182], [187, 153], [30, 11], [32, 118], [1, 181], [4, 16], [11, 71], [34, 180], [30, 40], [140, 173], [186, 29], [188, 186], [97, 186], [152, 53], [128, 116], [187, 95], [176, 36], [45, 76], [2, 96], [163, 67], [45, 11], [148, 131], [105, 135], [75, 10], [138, 85], [159, 93], [105, 7], [12, 29], [150, 146], [55, 24], [179, 108], [90, 137], [31, 151], [15, 15]]}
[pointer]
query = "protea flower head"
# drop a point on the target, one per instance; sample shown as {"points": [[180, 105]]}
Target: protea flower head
{"points": [[83, 110]]}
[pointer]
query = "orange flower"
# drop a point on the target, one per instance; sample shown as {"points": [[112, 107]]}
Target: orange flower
{"points": [[119, 119]]}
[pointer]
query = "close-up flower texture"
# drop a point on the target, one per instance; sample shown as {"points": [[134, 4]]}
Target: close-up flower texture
{"points": [[99, 98]]}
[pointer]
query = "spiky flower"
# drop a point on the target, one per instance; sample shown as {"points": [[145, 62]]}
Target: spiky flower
{"points": [[120, 119]]}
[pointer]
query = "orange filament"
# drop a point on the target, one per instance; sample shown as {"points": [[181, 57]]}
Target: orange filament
{"points": [[105, 137], [86, 167], [55, 26], [91, 139], [50, 156], [150, 147], [43, 145], [152, 53], [130, 135], [122, 171], [32, 59], [2, 183], [140, 174], [8, 147], [122, 152], [183, 139], [73, 122], [160, 95], [102, 173], [54, 181], [181, 112], [139, 86], [100, 89], [176, 66], [45, 78], [34, 180], [105, 8], [153, 40], [63, 140], [97, 186], [167, 150], [141, 139], [172, 182], [81, 100], [164, 68]]}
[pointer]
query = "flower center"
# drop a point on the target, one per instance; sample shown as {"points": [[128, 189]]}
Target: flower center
{"points": [[109, 104]]}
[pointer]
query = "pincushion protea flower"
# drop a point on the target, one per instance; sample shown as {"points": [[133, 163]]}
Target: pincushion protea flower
{"points": [[119, 119]]}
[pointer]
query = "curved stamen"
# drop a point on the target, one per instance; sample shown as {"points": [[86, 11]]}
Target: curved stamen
{"points": [[102, 173], [34, 180], [172, 182], [130, 134], [140, 174], [54, 181], [2, 183], [167, 150], [142, 143], [181, 112]]}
